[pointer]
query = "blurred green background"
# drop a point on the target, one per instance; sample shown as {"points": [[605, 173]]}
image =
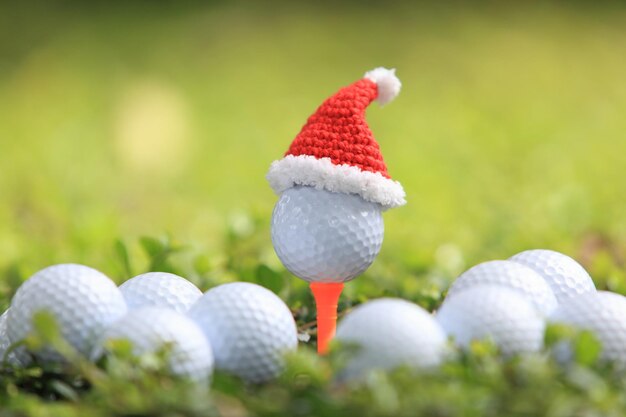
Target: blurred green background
{"points": [[121, 120], [136, 136]]}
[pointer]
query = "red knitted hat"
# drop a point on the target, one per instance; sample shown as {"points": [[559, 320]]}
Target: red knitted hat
{"points": [[336, 151]]}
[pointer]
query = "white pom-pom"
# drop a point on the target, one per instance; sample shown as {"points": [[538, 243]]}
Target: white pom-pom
{"points": [[387, 82]]}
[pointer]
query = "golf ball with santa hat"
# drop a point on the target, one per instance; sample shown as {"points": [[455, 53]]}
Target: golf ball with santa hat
{"points": [[327, 226]]}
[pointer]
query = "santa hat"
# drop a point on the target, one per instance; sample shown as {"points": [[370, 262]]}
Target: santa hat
{"points": [[336, 151]]}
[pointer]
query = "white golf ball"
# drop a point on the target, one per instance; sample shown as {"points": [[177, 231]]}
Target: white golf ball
{"points": [[5, 344], [249, 328], [322, 236], [83, 302], [602, 313], [151, 329], [160, 289], [564, 275], [493, 312], [389, 333], [4, 337], [512, 275]]}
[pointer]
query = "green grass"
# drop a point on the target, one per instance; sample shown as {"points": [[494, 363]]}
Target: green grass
{"points": [[124, 121]]}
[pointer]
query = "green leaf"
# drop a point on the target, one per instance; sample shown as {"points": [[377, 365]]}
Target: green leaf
{"points": [[65, 390], [226, 383], [46, 327], [12, 277], [159, 252], [120, 347], [384, 393], [269, 278], [483, 348], [558, 332], [121, 252], [587, 348], [152, 246]]}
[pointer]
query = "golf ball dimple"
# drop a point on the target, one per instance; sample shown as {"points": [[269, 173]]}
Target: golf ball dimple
{"points": [[389, 333], [151, 329], [512, 275], [322, 236], [493, 312], [248, 327], [566, 277], [602, 313], [83, 302], [160, 289]]}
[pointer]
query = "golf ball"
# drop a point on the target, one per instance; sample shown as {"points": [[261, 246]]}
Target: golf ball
{"points": [[160, 289], [249, 328], [564, 275], [493, 312], [603, 314], [4, 338], [5, 344], [151, 329], [83, 302], [512, 275], [322, 236], [389, 333]]}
